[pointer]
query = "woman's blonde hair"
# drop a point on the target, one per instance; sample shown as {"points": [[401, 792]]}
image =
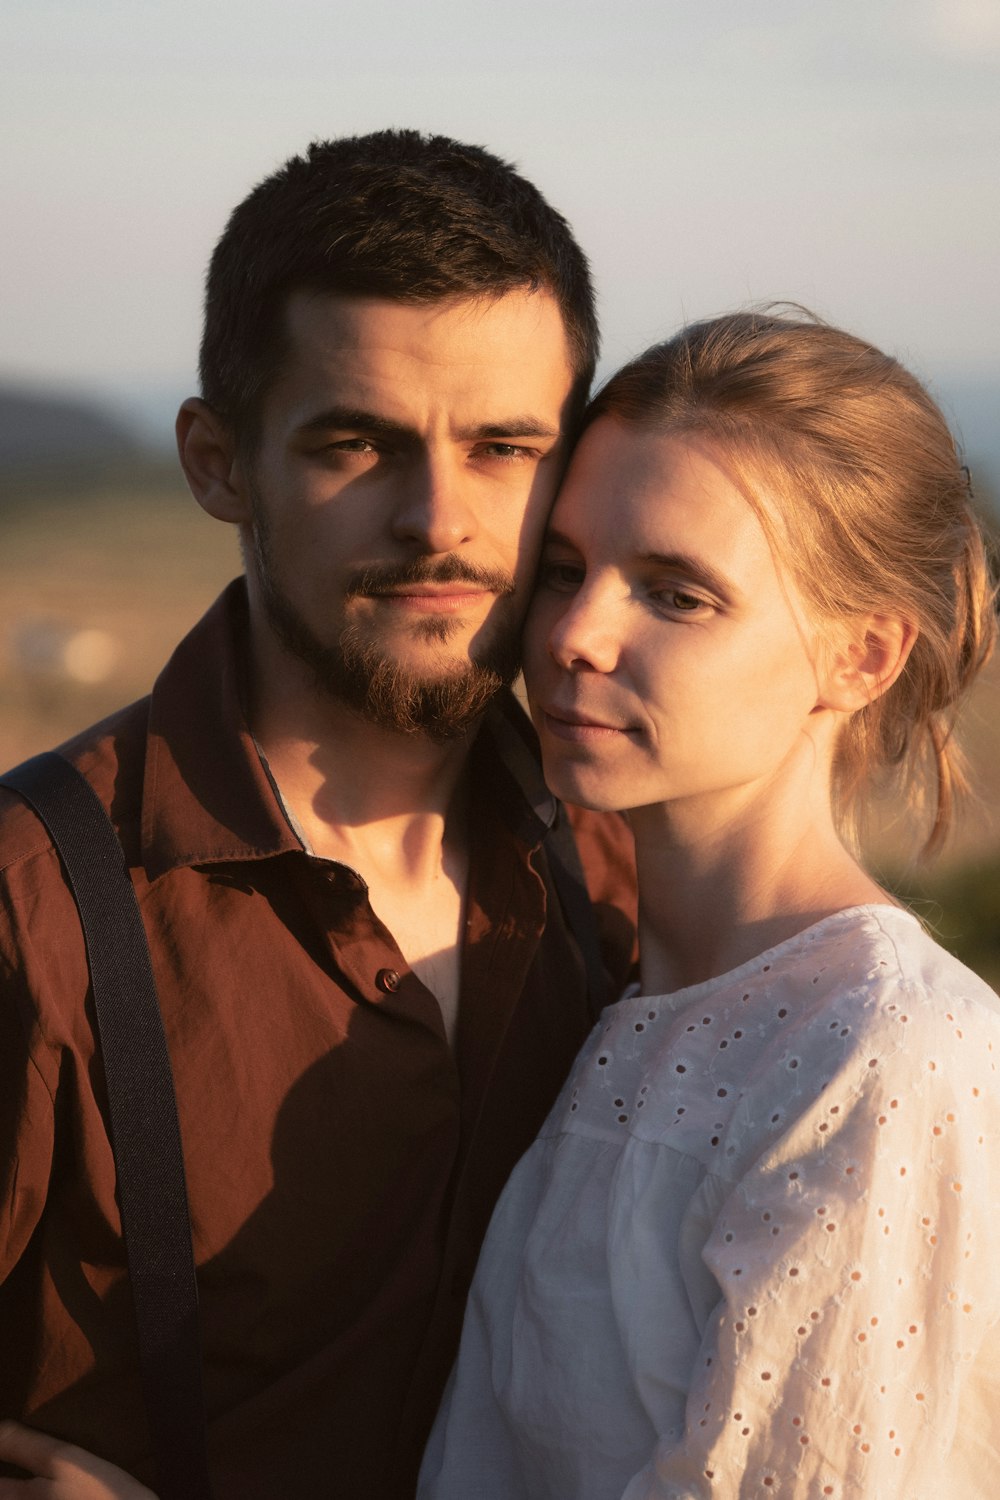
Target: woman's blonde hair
{"points": [[875, 515]]}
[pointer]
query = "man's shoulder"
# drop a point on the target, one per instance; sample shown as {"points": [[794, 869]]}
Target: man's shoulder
{"points": [[603, 839], [111, 755], [607, 851]]}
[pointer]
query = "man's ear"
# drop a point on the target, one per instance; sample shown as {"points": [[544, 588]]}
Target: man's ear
{"points": [[867, 662], [208, 457]]}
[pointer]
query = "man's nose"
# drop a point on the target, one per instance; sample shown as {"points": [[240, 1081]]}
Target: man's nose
{"points": [[436, 509]]}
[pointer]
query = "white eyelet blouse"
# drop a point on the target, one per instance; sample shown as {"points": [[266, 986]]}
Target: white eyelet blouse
{"points": [[755, 1249]]}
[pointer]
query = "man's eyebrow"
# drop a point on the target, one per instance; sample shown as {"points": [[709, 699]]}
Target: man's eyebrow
{"points": [[358, 419], [354, 419], [524, 426]]}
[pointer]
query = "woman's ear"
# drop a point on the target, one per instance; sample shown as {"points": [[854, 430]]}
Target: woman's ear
{"points": [[208, 457], [866, 663]]}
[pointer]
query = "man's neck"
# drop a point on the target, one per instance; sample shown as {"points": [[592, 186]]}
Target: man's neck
{"points": [[349, 783], [391, 806]]}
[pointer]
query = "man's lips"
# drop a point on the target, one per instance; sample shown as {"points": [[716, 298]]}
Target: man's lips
{"points": [[447, 598], [448, 586]]}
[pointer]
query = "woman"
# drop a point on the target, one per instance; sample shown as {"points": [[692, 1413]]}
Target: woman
{"points": [[752, 1251]]}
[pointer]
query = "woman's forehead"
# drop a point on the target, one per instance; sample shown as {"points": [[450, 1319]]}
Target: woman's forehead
{"points": [[638, 481]]}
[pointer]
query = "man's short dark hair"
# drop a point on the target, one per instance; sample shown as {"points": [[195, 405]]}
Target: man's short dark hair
{"points": [[393, 214]]}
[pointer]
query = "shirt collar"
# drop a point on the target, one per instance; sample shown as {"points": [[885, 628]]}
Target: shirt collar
{"points": [[207, 797], [509, 738]]}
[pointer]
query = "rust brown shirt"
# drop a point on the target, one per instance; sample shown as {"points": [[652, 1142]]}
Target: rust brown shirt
{"points": [[342, 1161]]}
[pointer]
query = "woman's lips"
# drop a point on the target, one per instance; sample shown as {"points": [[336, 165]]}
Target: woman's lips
{"points": [[567, 724]]}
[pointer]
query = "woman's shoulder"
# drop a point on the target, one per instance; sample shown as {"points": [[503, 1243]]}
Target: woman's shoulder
{"points": [[880, 1013], [864, 1001], [855, 967], [873, 1037], [876, 958]]}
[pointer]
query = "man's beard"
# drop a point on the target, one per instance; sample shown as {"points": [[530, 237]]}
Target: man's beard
{"points": [[362, 675]]}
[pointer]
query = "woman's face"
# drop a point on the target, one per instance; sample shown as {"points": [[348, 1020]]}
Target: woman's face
{"points": [[666, 656]]}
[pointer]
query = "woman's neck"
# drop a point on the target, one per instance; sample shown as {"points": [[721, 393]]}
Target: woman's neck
{"points": [[723, 881]]}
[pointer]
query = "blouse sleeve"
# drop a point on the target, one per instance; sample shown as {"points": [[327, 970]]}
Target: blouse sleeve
{"points": [[856, 1259]]}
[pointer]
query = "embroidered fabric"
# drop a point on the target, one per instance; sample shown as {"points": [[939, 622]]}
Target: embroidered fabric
{"points": [[754, 1250]]}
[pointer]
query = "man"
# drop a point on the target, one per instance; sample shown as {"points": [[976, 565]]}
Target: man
{"points": [[369, 989]]}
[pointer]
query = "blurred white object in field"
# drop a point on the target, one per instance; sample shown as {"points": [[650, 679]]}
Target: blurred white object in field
{"points": [[54, 648]]}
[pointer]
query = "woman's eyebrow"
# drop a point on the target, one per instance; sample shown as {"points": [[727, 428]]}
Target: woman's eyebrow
{"points": [[697, 570], [559, 537]]}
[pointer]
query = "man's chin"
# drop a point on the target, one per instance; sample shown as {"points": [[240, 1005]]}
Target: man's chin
{"points": [[443, 707], [412, 685], [408, 690]]}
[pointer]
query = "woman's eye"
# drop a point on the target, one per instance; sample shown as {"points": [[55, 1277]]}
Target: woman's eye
{"points": [[560, 575], [679, 601]]}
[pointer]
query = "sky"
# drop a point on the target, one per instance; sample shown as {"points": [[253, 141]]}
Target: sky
{"points": [[840, 153]]}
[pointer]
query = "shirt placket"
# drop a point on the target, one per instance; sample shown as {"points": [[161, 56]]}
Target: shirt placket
{"points": [[361, 949]]}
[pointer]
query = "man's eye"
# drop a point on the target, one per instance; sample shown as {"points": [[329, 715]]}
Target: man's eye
{"points": [[506, 452], [352, 445]]}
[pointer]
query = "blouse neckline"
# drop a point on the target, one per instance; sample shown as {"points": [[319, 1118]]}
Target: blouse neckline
{"points": [[674, 999]]}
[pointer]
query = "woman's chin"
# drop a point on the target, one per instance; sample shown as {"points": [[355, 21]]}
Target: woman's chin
{"points": [[583, 787]]}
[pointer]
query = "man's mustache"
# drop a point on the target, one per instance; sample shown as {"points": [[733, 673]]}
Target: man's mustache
{"points": [[392, 577]]}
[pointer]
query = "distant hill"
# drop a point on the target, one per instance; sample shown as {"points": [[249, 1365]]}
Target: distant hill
{"points": [[43, 430], [54, 431]]}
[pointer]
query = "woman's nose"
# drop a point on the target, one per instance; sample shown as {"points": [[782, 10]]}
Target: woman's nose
{"points": [[586, 637]]}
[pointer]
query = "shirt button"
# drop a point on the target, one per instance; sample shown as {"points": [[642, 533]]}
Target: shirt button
{"points": [[387, 980]]}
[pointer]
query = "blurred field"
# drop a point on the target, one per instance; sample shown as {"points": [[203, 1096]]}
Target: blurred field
{"points": [[127, 569], [97, 587]]}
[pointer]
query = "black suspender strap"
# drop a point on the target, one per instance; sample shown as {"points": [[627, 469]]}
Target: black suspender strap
{"points": [[143, 1117]]}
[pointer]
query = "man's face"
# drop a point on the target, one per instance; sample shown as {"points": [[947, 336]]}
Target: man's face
{"points": [[407, 461]]}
